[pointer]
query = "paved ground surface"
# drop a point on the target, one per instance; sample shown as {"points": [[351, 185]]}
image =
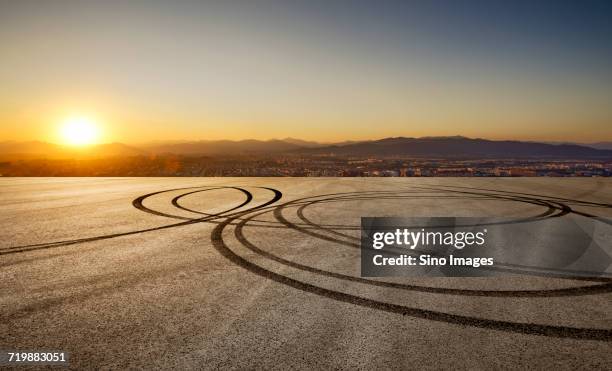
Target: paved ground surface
{"points": [[139, 273]]}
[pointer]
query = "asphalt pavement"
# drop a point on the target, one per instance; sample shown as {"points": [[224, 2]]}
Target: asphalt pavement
{"points": [[263, 273]]}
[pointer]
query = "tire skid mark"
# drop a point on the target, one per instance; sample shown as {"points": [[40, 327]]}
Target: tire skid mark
{"points": [[516, 327], [137, 203], [572, 291], [556, 207]]}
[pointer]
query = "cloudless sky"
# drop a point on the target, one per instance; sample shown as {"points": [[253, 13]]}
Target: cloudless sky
{"points": [[319, 70]]}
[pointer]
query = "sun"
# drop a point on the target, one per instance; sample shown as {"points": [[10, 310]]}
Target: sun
{"points": [[79, 131]]}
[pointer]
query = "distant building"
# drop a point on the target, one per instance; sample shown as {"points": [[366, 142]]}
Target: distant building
{"points": [[519, 171]]}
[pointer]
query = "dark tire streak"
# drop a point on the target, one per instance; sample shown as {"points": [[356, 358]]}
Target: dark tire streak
{"points": [[556, 207], [138, 204], [572, 291], [522, 328], [510, 268]]}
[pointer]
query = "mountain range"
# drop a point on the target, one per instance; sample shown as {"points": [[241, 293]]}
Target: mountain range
{"points": [[458, 146], [438, 147]]}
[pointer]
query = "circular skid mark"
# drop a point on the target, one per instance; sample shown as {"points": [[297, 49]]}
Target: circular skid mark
{"points": [[138, 203], [555, 207], [552, 211], [571, 291], [523, 328]]}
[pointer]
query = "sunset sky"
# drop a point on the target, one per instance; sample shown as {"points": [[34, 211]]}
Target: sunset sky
{"points": [[316, 70]]}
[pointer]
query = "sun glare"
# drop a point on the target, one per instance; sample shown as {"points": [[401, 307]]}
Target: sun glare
{"points": [[79, 131]]}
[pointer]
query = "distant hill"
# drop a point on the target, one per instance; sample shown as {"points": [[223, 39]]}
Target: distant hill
{"points": [[114, 149], [457, 147], [223, 147], [600, 145], [438, 147], [35, 149], [228, 147], [30, 149], [596, 145], [303, 143]]}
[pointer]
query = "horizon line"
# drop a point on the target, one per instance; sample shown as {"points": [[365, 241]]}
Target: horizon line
{"points": [[179, 141]]}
